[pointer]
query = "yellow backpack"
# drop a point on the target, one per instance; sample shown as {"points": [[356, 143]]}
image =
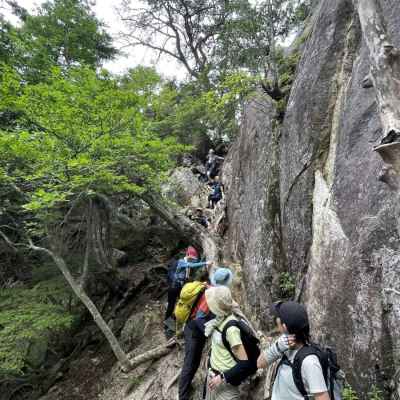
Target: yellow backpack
{"points": [[189, 294]]}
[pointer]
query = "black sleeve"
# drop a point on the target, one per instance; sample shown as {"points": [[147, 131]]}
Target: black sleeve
{"points": [[240, 372]]}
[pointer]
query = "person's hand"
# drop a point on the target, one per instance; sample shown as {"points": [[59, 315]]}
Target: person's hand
{"points": [[285, 342], [215, 382]]}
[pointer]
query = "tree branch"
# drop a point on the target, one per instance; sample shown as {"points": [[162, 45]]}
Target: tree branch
{"points": [[80, 293], [8, 241]]}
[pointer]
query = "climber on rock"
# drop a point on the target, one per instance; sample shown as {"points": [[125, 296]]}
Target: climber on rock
{"points": [[178, 274], [212, 164], [200, 218], [199, 314], [217, 192], [292, 322]]}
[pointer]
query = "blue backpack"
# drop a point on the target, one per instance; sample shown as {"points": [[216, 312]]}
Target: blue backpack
{"points": [[180, 275]]}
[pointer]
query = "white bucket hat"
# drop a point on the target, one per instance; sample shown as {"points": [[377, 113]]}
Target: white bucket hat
{"points": [[219, 300]]}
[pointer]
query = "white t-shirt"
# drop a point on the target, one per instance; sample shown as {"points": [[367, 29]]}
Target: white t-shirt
{"points": [[313, 378]]}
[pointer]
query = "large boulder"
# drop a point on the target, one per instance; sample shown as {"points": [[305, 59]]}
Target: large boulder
{"points": [[185, 188], [338, 221], [308, 204]]}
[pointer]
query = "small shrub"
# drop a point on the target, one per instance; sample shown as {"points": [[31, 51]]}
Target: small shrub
{"points": [[286, 285], [349, 393]]}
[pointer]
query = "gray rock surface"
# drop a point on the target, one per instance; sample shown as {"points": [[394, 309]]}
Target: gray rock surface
{"points": [[308, 201], [250, 177], [184, 187]]}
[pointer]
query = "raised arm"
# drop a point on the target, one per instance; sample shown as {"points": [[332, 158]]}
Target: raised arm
{"points": [[275, 351], [188, 264]]}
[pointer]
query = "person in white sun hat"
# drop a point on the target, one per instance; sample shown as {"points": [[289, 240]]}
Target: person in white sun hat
{"points": [[223, 363]]}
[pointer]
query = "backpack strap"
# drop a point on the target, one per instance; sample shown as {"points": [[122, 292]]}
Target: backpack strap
{"points": [[305, 351], [225, 342], [197, 300]]}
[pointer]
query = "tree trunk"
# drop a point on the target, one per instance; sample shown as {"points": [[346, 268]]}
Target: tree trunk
{"points": [[98, 319], [385, 74], [186, 228]]}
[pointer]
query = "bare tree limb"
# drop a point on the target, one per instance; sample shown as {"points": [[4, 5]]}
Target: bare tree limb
{"points": [[8, 241], [81, 294]]}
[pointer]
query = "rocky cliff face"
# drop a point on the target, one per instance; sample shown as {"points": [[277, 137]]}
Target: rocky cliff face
{"points": [[304, 198]]}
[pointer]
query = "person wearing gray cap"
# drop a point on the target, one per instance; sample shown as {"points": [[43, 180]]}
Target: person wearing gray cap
{"points": [[292, 322]]}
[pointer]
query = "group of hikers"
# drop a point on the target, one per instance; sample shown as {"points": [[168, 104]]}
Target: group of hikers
{"points": [[212, 179], [200, 303]]}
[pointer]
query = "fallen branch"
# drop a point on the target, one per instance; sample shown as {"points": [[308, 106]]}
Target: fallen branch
{"points": [[153, 354]]}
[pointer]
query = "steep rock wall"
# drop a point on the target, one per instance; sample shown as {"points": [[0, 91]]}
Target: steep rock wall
{"points": [[251, 182], [308, 201]]}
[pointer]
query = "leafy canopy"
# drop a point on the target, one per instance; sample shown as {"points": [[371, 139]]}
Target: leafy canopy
{"points": [[87, 133], [61, 33]]}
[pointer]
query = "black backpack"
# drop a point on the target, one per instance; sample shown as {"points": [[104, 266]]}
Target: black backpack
{"points": [[330, 368], [250, 342]]}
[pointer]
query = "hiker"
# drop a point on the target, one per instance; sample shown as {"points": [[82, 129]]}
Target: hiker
{"points": [[200, 218], [199, 315], [178, 273], [229, 363], [292, 322], [217, 192], [212, 164]]}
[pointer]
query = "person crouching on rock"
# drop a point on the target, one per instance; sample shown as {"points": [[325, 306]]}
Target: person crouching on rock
{"points": [[200, 218], [292, 322], [224, 364], [195, 339]]}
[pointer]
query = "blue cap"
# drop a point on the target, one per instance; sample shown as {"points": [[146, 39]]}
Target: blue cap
{"points": [[222, 277]]}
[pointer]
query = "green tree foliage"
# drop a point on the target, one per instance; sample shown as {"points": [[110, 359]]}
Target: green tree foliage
{"points": [[78, 136], [28, 317], [190, 113], [61, 33], [89, 133], [248, 38], [349, 393], [8, 42], [217, 42]]}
